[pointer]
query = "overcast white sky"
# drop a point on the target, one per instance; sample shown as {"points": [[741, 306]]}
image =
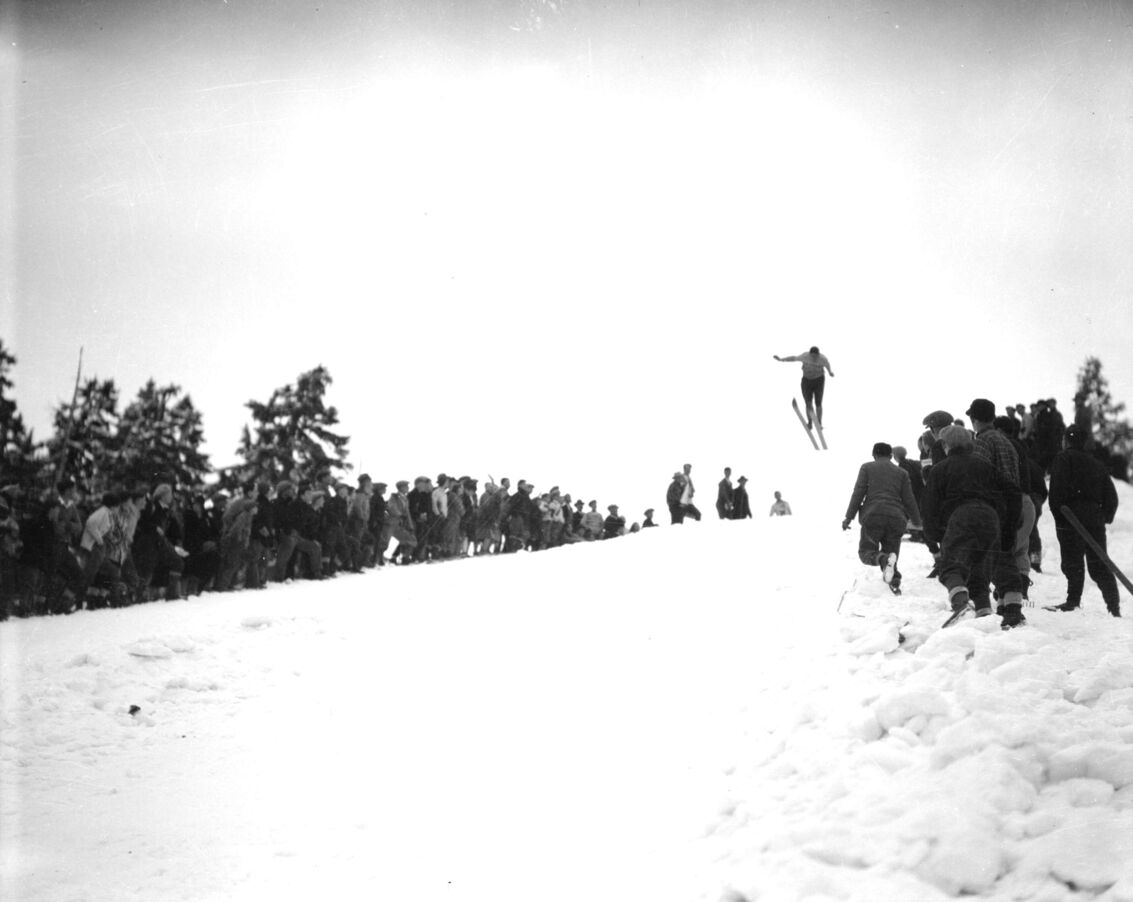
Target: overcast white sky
{"points": [[564, 242]]}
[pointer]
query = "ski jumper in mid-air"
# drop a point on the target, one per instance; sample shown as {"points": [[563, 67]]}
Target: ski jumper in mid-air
{"points": [[815, 368]]}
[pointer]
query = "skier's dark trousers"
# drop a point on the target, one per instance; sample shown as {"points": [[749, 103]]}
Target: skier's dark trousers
{"points": [[1081, 483]]}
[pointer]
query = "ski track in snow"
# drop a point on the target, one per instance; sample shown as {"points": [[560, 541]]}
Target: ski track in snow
{"points": [[676, 715]]}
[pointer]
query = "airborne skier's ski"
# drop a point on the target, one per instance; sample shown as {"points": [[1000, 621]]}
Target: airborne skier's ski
{"points": [[818, 429], [802, 419]]}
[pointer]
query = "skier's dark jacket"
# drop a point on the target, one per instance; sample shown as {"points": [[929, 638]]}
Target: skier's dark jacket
{"points": [[960, 478], [1083, 484]]}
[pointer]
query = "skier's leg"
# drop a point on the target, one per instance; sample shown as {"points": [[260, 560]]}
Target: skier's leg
{"points": [[1073, 551], [869, 544], [818, 388], [808, 399]]}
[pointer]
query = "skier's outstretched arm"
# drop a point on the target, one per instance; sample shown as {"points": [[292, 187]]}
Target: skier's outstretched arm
{"points": [[791, 359]]}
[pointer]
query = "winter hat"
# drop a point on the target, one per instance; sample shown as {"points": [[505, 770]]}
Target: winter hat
{"points": [[363, 479], [982, 409], [956, 437], [938, 419], [882, 449], [649, 512], [1076, 436], [613, 508], [285, 486], [163, 493], [742, 479], [402, 484]]}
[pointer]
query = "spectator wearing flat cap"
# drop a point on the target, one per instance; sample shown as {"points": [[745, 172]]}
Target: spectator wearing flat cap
{"points": [[883, 502], [932, 449], [648, 521], [614, 525], [592, 523]]}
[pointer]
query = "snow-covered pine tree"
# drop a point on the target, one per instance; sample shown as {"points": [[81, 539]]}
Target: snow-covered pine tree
{"points": [[293, 432], [160, 437], [1095, 409], [90, 432]]}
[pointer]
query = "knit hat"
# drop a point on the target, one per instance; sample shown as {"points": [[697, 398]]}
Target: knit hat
{"points": [[1076, 436], [956, 437], [938, 419], [882, 449], [982, 409]]}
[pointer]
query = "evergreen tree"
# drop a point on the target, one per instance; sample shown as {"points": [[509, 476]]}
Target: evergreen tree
{"points": [[293, 432], [1096, 411], [159, 439], [85, 445], [18, 459]]}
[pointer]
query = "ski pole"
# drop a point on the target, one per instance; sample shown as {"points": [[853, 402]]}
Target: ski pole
{"points": [[1098, 550]]}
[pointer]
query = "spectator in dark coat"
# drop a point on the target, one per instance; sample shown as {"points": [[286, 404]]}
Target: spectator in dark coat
{"points": [[1082, 484], [154, 552], [963, 499], [724, 494], [202, 543], [615, 524], [741, 503], [882, 500], [262, 540], [421, 509], [294, 524], [996, 449]]}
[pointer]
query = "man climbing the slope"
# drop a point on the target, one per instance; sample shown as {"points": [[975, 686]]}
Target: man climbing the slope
{"points": [[815, 368], [883, 502]]}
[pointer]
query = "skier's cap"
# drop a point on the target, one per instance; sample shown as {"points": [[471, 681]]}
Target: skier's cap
{"points": [[402, 483], [742, 479], [938, 419], [882, 449], [612, 507], [1075, 436], [982, 409], [956, 437]]}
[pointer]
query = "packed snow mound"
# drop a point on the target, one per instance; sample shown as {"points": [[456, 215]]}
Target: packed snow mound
{"points": [[712, 711]]}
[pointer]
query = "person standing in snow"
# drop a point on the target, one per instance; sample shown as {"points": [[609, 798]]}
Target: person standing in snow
{"points": [[1081, 483], [741, 503], [615, 524], [883, 502], [724, 495], [963, 499], [815, 368], [688, 509], [780, 508], [994, 447], [648, 519]]}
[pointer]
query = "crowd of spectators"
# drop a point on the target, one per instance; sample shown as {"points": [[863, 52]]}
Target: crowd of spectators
{"points": [[62, 551]]}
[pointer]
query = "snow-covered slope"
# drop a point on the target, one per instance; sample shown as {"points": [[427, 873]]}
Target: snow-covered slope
{"points": [[712, 711]]}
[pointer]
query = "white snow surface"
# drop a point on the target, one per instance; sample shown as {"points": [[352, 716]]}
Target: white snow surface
{"points": [[719, 711]]}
